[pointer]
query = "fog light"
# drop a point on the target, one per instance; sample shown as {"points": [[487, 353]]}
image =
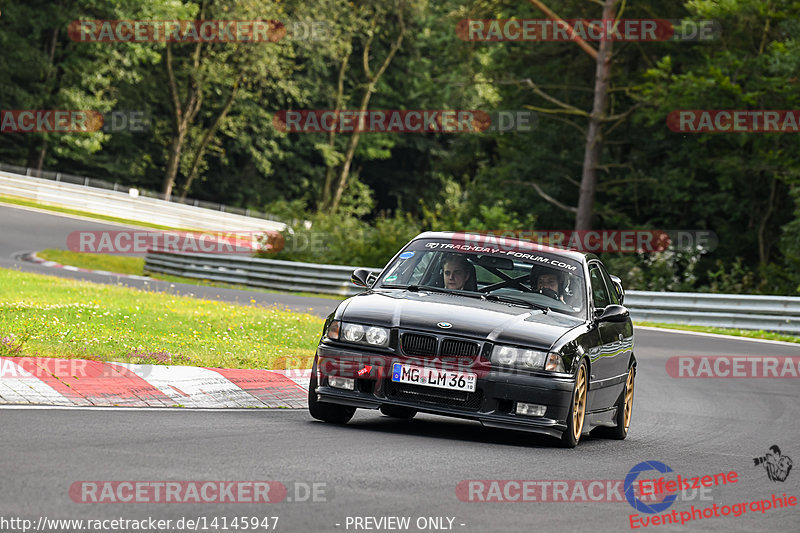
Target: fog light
{"points": [[341, 383], [530, 409]]}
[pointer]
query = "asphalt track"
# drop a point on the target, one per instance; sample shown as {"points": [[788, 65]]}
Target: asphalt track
{"points": [[379, 467], [28, 230]]}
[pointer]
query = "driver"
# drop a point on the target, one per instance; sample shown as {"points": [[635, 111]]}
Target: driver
{"points": [[456, 271], [548, 282]]}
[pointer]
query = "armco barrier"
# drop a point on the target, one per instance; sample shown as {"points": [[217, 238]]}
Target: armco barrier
{"points": [[123, 205], [255, 272], [771, 313]]}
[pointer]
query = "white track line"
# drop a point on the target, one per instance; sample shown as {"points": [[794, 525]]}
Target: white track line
{"points": [[717, 336], [174, 409]]}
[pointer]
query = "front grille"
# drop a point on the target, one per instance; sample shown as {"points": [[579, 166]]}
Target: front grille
{"points": [[450, 398], [457, 348], [422, 345]]}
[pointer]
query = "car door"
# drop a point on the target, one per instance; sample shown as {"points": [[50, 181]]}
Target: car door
{"points": [[624, 330], [609, 360]]}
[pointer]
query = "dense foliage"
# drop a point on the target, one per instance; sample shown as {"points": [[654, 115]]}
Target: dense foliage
{"points": [[225, 148]]}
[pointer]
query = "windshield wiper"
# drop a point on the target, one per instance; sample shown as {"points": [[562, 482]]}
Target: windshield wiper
{"points": [[516, 301]]}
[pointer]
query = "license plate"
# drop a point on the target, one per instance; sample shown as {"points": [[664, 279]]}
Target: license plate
{"points": [[434, 377]]}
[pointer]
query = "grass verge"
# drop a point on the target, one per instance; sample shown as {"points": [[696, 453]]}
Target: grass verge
{"points": [[135, 266], [119, 264], [45, 316], [753, 334], [30, 203]]}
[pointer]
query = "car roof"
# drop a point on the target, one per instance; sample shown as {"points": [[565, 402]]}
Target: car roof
{"points": [[506, 241]]}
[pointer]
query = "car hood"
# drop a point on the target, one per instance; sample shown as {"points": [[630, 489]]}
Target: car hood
{"points": [[470, 317]]}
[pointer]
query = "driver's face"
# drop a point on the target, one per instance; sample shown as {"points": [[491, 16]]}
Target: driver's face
{"points": [[454, 276], [548, 281]]}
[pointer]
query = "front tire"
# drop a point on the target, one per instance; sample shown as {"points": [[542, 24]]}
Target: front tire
{"points": [[577, 409], [327, 412]]}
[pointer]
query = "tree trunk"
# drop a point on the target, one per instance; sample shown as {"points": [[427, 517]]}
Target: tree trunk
{"points": [[351, 152], [172, 164], [42, 152], [201, 150], [594, 136], [184, 115], [330, 169], [40, 158], [372, 81], [763, 249]]}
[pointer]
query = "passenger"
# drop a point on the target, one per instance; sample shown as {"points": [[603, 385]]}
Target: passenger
{"points": [[548, 282]]}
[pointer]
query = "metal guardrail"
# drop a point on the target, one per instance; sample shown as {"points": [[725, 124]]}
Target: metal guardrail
{"points": [[94, 183], [129, 206], [771, 313], [256, 272]]}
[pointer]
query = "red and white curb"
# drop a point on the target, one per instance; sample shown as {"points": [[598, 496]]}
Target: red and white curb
{"points": [[31, 257], [80, 382]]}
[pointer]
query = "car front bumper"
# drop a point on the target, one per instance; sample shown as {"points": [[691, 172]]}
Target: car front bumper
{"points": [[493, 404]]}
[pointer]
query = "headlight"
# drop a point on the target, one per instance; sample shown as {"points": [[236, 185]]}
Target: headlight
{"points": [[378, 336], [519, 357], [527, 359], [372, 335], [353, 332]]}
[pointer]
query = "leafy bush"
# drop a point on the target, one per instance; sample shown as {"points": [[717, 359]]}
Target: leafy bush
{"points": [[344, 239]]}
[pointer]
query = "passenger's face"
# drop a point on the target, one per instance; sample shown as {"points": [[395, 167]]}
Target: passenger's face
{"points": [[547, 281], [455, 276]]}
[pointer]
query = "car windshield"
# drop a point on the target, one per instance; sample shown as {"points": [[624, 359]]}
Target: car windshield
{"points": [[519, 276]]}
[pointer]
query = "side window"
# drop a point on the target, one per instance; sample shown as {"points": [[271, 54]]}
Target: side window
{"points": [[612, 291], [600, 295]]}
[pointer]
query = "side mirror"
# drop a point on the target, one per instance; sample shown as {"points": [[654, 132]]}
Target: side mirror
{"points": [[613, 313], [618, 288], [363, 277]]}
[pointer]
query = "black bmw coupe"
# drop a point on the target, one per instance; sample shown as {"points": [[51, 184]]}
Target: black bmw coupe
{"points": [[503, 331]]}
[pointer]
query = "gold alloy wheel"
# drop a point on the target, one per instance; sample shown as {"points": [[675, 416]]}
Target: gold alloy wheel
{"points": [[579, 403], [628, 399]]}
